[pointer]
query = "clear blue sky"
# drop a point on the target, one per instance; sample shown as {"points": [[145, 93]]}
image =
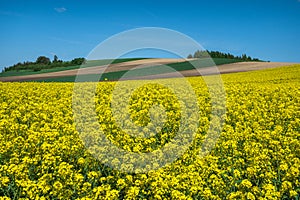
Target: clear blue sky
{"points": [[268, 29]]}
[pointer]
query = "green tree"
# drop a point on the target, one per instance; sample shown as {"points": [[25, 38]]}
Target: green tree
{"points": [[77, 61], [43, 60], [55, 59], [190, 56], [244, 57]]}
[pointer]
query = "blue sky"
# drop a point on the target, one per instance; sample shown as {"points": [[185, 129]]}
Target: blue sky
{"points": [[269, 30]]}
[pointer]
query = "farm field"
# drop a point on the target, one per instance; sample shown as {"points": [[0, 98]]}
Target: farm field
{"points": [[141, 69], [257, 155], [115, 70]]}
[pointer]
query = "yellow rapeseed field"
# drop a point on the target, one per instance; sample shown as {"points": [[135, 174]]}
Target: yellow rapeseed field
{"points": [[257, 156]]}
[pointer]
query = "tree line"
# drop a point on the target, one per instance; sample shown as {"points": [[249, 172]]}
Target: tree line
{"points": [[43, 62], [218, 54]]}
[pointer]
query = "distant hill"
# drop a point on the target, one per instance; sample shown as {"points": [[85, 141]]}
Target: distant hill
{"points": [[44, 65], [138, 67]]}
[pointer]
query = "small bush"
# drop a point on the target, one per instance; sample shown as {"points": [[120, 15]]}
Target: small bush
{"points": [[37, 69]]}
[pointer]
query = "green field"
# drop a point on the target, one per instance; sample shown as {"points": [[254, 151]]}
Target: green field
{"points": [[188, 65], [57, 69]]}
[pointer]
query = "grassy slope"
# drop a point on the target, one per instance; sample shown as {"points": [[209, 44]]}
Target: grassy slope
{"points": [[200, 63], [57, 69]]}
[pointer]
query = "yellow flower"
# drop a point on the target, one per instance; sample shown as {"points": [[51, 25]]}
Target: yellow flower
{"points": [[246, 184], [92, 175], [132, 193], [4, 181], [293, 193], [286, 185], [78, 178], [81, 161], [250, 196], [121, 183], [57, 185]]}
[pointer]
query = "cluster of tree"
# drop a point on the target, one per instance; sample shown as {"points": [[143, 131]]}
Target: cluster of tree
{"points": [[217, 54], [43, 62]]}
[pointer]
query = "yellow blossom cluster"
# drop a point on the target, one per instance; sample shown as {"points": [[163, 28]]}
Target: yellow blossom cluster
{"points": [[257, 155]]}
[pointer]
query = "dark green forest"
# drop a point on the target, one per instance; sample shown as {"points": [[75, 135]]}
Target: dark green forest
{"points": [[43, 62], [218, 54]]}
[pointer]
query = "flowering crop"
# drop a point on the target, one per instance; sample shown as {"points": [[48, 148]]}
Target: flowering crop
{"points": [[257, 155]]}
